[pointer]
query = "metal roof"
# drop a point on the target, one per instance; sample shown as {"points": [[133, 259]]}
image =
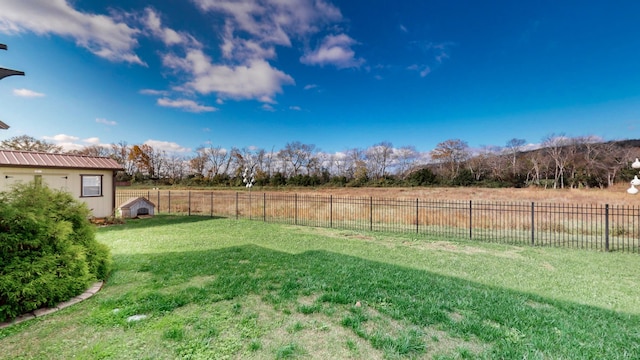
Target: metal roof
{"points": [[48, 160], [3, 126]]}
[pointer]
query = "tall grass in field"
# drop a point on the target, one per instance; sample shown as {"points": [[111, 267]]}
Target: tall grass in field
{"points": [[226, 288]]}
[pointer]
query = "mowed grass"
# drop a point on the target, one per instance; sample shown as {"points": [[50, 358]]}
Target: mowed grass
{"points": [[227, 289]]}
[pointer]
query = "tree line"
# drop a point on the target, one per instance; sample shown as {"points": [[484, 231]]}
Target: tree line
{"points": [[557, 162]]}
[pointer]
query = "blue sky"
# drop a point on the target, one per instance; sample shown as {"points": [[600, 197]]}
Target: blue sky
{"points": [[178, 74]]}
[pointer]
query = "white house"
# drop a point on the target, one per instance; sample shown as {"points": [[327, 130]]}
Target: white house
{"points": [[91, 179]]}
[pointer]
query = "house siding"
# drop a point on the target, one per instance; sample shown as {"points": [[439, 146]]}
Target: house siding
{"points": [[68, 180], [62, 172]]}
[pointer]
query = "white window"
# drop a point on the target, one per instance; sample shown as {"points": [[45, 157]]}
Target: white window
{"points": [[91, 185]]}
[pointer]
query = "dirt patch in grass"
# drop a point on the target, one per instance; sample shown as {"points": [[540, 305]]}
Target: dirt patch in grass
{"points": [[548, 266], [196, 281], [316, 335]]}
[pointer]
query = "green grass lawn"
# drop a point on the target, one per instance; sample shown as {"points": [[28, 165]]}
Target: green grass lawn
{"points": [[227, 289]]}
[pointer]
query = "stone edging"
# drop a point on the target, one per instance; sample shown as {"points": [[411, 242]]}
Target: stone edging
{"points": [[45, 311]]}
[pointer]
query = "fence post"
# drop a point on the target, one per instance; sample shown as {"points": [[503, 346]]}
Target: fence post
{"points": [[189, 204], [606, 228], [330, 211], [295, 208], [533, 233], [158, 201], [371, 213], [417, 216], [470, 220], [264, 207], [211, 204], [236, 205], [169, 195]]}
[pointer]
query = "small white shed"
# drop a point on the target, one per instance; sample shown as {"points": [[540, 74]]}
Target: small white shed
{"points": [[134, 207]]}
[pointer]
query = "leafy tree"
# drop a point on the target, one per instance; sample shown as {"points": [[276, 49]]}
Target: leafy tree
{"points": [[148, 160], [29, 143], [422, 177]]}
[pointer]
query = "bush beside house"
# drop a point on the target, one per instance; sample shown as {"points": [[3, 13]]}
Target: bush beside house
{"points": [[48, 250]]}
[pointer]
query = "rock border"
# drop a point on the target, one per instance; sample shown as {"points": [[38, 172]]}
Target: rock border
{"points": [[46, 311]]}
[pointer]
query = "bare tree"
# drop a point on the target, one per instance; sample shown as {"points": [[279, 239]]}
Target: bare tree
{"points": [[486, 163], [406, 158], [219, 160], [378, 158], [614, 159], [175, 167], [92, 150], [515, 146], [29, 143], [198, 162], [450, 154], [296, 156], [557, 147], [120, 153]]}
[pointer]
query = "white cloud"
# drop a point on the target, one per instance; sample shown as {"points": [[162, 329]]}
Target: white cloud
{"points": [[423, 70], [431, 56], [61, 138], [154, 92], [167, 146], [185, 104], [269, 23], [295, 108], [274, 22], [249, 32], [256, 79], [106, 122], [168, 36], [27, 93], [70, 142], [67, 142], [267, 107], [102, 35], [334, 50], [310, 86], [92, 141]]}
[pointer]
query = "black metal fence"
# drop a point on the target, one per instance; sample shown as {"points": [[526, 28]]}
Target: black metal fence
{"points": [[598, 227]]}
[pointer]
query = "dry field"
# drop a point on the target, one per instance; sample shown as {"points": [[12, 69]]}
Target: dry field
{"points": [[616, 195]]}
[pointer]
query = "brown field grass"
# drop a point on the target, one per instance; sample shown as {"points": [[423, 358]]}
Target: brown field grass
{"points": [[615, 195]]}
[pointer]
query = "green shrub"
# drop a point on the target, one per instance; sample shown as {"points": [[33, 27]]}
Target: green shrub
{"points": [[48, 250]]}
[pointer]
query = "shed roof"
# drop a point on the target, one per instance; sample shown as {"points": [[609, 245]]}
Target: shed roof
{"points": [[48, 160]]}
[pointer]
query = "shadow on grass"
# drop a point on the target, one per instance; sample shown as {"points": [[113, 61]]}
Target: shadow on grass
{"points": [[157, 220], [513, 324]]}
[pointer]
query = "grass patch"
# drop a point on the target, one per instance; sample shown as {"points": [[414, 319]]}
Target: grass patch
{"points": [[238, 289]]}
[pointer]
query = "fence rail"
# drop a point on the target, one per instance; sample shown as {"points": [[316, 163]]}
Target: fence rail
{"points": [[598, 227]]}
